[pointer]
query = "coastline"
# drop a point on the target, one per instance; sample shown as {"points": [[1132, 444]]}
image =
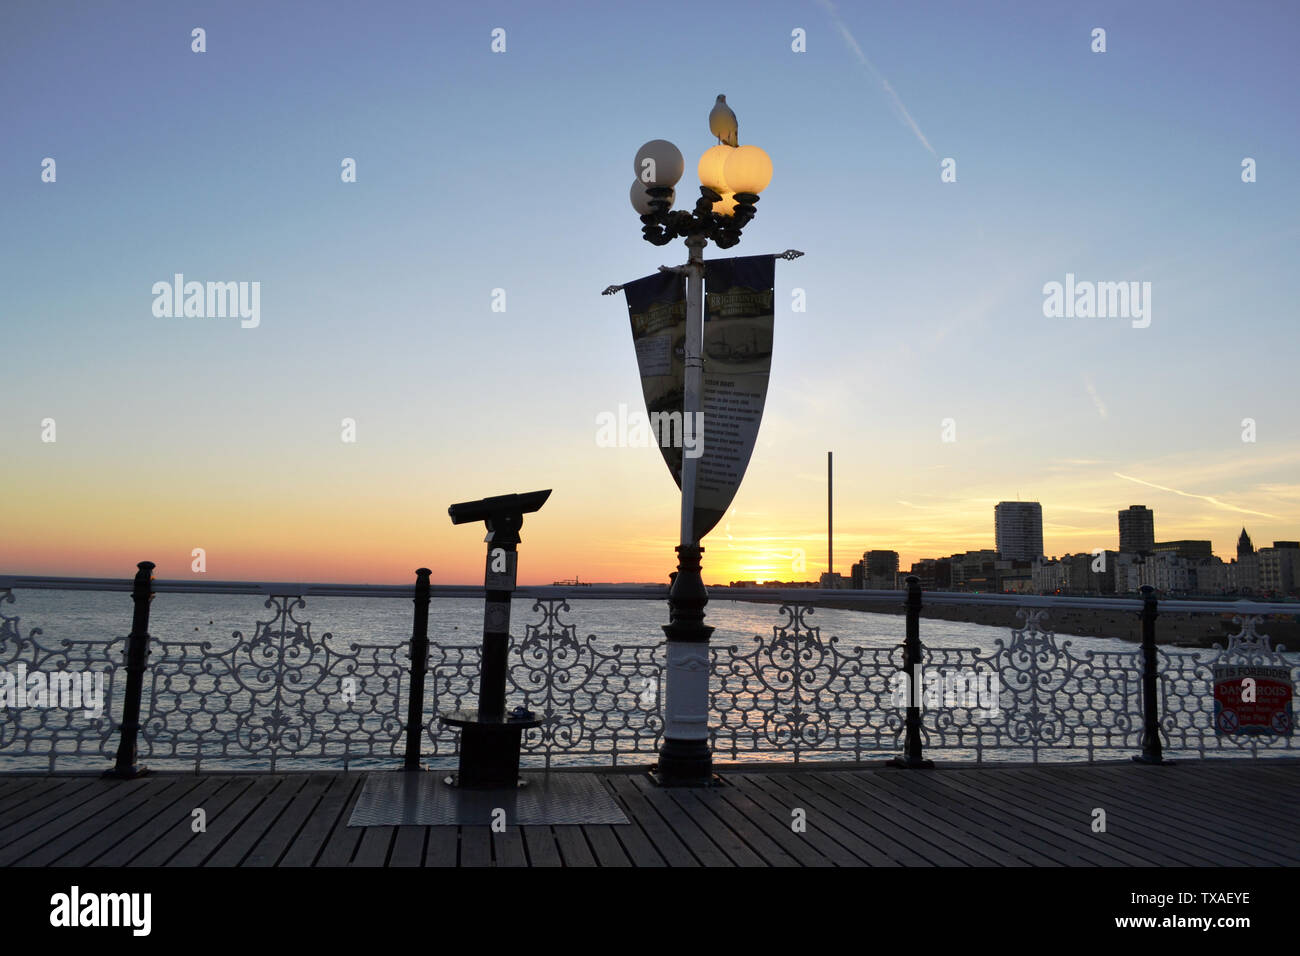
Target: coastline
{"points": [[1190, 630]]}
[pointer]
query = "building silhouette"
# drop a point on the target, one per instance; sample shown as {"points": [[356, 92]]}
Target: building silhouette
{"points": [[1193, 550], [1137, 530], [877, 571], [1018, 527], [881, 569]]}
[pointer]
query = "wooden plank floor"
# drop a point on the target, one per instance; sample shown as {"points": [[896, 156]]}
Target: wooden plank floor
{"points": [[1209, 813]]}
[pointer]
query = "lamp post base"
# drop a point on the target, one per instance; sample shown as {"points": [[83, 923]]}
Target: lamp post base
{"points": [[911, 763], [684, 763], [1151, 760], [685, 758], [134, 772]]}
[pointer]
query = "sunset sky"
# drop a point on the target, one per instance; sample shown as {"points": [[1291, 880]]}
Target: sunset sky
{"points": [[479, 171]]}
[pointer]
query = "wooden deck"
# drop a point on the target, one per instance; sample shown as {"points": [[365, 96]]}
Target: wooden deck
{"points": [[1241, 813]]}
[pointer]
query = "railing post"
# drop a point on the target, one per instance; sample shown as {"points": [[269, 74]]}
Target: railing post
{"points": [[419, 662], [1152, 751], [912, 757], [137, 652]]}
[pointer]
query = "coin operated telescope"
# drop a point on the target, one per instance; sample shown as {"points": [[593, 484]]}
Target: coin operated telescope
{"points": [[490, 738]]}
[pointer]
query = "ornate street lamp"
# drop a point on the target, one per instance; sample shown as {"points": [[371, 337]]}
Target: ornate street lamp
{"points": [[731, 178]]}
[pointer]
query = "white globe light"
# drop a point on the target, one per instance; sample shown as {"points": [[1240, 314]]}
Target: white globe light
{"points": [[640, 196], [748, 169], [711, 166], [658, 163]]}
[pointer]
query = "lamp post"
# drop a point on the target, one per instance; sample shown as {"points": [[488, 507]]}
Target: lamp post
{"points": [[731, 177]]}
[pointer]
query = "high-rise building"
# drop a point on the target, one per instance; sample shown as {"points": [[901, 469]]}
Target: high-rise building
{"points": [[1137, 530], [1018, 527], [881, 570]]}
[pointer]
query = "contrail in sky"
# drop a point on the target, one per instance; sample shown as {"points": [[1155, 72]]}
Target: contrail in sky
{"points": [[1187, 494], [1096, 399], [862, 57]]}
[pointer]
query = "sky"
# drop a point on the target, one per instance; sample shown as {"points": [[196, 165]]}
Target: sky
{"points": [[923, 358]]}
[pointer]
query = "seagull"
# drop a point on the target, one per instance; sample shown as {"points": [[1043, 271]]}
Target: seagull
{"points": [[722, 122]]}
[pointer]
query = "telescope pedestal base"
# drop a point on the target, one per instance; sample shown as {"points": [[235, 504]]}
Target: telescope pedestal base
{"points": [[489, 749]]}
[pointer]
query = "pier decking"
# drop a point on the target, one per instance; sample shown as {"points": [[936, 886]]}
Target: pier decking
{"points": [[1203, 813]]}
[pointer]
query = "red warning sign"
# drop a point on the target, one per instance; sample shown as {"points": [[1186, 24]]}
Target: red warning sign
{"points": [[1252, 700]]}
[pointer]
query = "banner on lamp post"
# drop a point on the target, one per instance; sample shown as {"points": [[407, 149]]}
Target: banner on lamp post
{"points": [[737, 351], [657, 308], [738, 328]]}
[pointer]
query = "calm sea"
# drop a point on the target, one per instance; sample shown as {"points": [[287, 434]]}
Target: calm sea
{"points": [[103, 615]]}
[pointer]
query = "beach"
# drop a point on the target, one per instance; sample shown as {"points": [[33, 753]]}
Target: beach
{"points": [[1192, 630]]}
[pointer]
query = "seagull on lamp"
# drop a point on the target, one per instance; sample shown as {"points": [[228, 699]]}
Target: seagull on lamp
{"points": [[722, 122]]}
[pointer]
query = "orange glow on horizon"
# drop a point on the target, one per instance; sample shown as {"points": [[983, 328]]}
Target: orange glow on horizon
{"points": [[612, 518]]}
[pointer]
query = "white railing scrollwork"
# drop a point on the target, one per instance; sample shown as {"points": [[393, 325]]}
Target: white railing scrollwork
{"points": [[278, 696]]}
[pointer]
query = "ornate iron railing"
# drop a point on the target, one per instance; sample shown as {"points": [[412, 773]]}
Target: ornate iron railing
{"points": [[279, 697], [596, 702], [799, 693], [55, 733], [275, 695], [1187, 699], [1048, 696]]}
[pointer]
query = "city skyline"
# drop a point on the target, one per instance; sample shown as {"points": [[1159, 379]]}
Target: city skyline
{"points": [[916, 338], [1159, 543]]}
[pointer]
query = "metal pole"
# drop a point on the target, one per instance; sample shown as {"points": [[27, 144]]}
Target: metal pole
{"points": [[419, 662], [694, 385], [497, 590], [685, 759], [830, 517], [912, 757], [1152, 750], [137, 651]]}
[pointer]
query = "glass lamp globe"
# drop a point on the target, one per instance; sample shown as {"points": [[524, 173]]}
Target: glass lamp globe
{"points": [[641, 198], [726, 206], [748, 170], [658, 163], [711, 166]]}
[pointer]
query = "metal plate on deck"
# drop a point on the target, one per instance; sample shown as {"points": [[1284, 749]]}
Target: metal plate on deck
{"points": [[401, 798]]}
